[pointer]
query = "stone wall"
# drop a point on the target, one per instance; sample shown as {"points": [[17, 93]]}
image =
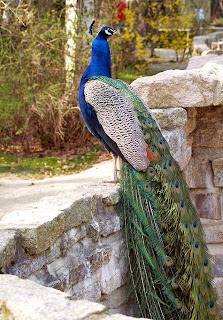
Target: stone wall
{"points": [[72, 242], [188, 104], [26, 300], [203, 43], [204, 172]]}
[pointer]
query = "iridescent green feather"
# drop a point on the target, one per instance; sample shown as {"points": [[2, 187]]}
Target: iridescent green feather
{"points": [[169, 262]]}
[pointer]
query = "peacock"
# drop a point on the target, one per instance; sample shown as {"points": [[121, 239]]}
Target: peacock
{"points": [[169, 265]]}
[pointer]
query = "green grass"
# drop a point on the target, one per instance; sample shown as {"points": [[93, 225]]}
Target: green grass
{"points": [[130, 75], [40, 168]]}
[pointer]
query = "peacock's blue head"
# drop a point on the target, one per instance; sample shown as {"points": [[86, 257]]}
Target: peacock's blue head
{"points": [[106, 32]]}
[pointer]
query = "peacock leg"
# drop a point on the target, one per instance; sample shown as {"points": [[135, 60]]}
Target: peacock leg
{"points": [[116, 179], [115, 167]]}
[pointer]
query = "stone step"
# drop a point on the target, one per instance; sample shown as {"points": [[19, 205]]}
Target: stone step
{"points": [[25, 299]]}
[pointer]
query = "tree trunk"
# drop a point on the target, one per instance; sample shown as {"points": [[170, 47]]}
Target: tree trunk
{"points": [[216, 9], [71, 28], [79, 15]]}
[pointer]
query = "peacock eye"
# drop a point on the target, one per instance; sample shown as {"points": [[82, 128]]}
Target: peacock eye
{"points": [[108, 31]]}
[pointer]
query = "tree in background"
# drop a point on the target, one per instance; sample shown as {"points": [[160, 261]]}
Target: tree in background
{"points": [[216, 9], [36, 109], [205, 5], [177, 26], [154, 23], [37, 105]]}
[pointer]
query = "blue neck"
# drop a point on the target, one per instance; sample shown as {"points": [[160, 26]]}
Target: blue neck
{"points": [[100, 60], [100, 65]]}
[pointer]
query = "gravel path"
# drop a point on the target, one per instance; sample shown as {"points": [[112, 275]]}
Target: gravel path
{"points": [[17, 194]]}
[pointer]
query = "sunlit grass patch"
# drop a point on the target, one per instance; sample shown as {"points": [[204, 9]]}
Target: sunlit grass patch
{"points": [[130, 75], [40, 168]]}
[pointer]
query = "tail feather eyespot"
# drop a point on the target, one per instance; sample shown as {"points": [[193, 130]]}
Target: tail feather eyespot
{"points": [[163, 223], [175, 283], [186, 227], [196, 246], [147, 187], [150, 171], [205, 264], [168, 261], [196, 279], [195, 226], [178, 303], [211, 307]]}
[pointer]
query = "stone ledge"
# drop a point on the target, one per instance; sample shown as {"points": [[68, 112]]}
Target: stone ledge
{"points": [[75, 245], [202, 43], [41, 225], [8, 241], [26, 300], [183, 88], [199, 61]]}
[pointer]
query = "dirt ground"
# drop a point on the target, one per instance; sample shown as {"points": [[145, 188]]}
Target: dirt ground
{"points": [[18, 194]]}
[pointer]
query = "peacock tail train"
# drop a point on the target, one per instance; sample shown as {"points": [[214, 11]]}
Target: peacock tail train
{"points": [[169, 263]]}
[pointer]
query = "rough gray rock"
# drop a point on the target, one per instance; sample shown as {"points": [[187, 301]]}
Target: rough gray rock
{"points": [[183, 88], [71, 242], [27, 300], [202, 43], [7, 247], [217, 166], [199, 61], [41, 226], [170, 118], [214, 232]]}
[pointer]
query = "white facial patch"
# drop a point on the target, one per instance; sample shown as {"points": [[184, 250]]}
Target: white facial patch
{"points": [[108, 32]]}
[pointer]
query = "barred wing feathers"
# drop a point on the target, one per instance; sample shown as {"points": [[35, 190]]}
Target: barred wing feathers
{"points": [[117, 116]]}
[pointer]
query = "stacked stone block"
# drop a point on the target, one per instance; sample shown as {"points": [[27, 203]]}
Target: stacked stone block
{"points": [[71, 242], [196, 123]]}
